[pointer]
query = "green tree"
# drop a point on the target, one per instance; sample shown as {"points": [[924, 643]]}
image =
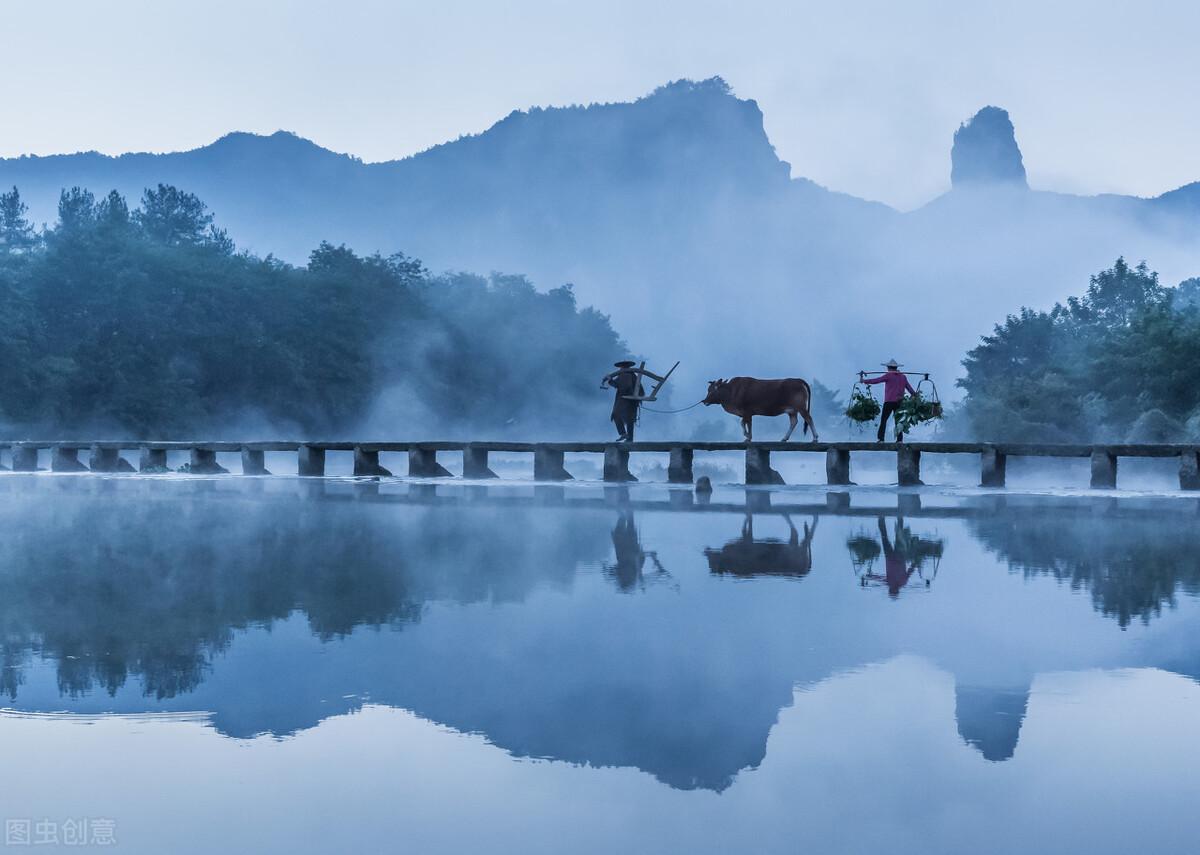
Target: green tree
{"points": [[172, 217], [1187, 295], [16, 232], [1115, 297], [1089, 370], [112, 213], [146, 323], [76, 212]]}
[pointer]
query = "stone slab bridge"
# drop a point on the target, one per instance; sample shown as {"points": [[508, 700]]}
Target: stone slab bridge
{"points": [[548, 457]]}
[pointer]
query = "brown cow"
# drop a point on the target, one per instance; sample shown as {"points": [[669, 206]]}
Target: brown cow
{"points": [[747, 397]]}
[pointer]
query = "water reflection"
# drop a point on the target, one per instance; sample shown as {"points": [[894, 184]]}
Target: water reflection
{"points": [[904, 554], [153, 586], [989, 719], [747, 556], [494, 612], [1130, 571], [628, 569]]}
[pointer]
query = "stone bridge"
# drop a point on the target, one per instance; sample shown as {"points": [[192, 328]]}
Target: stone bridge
{"points": [[549, 457]]}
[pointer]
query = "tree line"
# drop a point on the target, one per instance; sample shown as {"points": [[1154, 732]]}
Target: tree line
{"points": [[148, 322], [1117, 364]]}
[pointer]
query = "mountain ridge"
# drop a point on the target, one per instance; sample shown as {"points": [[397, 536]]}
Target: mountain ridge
{"points": [[714, 86], [673, 214]]}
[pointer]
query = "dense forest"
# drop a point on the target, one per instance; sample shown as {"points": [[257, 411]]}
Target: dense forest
{"points": [[148, 322], [1118, 364]]}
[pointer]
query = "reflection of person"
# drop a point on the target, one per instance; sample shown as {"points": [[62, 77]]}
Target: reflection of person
{"points": [[896, 558], [627, 571], [631, 558], [626, 381], [895, 384]]}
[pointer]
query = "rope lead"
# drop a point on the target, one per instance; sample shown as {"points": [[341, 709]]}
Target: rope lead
{"points": [[669, 412]]}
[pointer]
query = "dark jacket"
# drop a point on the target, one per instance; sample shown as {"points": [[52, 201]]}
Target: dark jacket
{"points": [[626, 382]]}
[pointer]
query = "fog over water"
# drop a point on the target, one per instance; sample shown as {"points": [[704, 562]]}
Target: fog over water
{"points": [[593, 667]]}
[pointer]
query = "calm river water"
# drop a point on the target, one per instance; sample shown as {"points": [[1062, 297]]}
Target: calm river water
{"points": [[306, 665]]}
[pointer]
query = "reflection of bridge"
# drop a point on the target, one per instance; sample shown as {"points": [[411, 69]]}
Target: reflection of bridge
{"points": [[757, 501], [549, 457]]}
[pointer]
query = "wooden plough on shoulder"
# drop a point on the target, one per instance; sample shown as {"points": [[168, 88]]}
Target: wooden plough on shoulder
{"points": [[642, 371]]}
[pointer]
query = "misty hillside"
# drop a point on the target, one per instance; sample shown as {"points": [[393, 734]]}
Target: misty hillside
{"points": [[674, 215], [557, 174]]}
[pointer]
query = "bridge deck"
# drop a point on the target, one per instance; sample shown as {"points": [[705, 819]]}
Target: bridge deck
{"points": [[1007, 448]]}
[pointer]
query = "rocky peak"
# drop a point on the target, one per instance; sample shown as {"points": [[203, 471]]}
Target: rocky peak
{"points": [[985, 151]]}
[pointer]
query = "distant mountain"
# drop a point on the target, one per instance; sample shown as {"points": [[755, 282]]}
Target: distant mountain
{"points": [[675, 215], [553, 175], [985, 151]]}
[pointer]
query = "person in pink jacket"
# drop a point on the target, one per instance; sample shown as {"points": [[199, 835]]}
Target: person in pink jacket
{"points": [[895, 384]]}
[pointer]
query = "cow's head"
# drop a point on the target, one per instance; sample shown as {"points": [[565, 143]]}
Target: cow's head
{"points": [[718, 392]]}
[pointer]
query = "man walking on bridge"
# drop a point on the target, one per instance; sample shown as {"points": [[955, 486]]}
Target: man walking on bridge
{"points": [[895, 384], [627, 381]]}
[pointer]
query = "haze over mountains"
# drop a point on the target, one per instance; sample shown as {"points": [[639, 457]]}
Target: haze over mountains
{"points": [[674, 215]]}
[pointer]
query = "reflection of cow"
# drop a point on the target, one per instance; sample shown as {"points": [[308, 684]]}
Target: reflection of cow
{"points": [[749, 557]]}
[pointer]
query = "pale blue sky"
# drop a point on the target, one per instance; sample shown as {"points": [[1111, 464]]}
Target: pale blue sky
{"points": [[862, 97]]}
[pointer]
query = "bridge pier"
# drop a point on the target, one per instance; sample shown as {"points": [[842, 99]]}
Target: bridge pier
{"points": [[65, 460], [758, 501], [837, 467], [203, 461], [1189, 470], [908, 503], [310, 461], [837, 500], [152, 460], [367, 463], [1104, 469], [24, 459], [548, 464], [106, 460], [616, 464], [679, 469], [908, 467], [423, 463], [475, 463], [681, 498], [254, 462], [992, 466], [758, 467]]}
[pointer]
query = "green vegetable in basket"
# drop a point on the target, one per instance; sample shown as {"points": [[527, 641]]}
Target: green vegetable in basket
{"points": [[914, 410], [863, 407]]}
